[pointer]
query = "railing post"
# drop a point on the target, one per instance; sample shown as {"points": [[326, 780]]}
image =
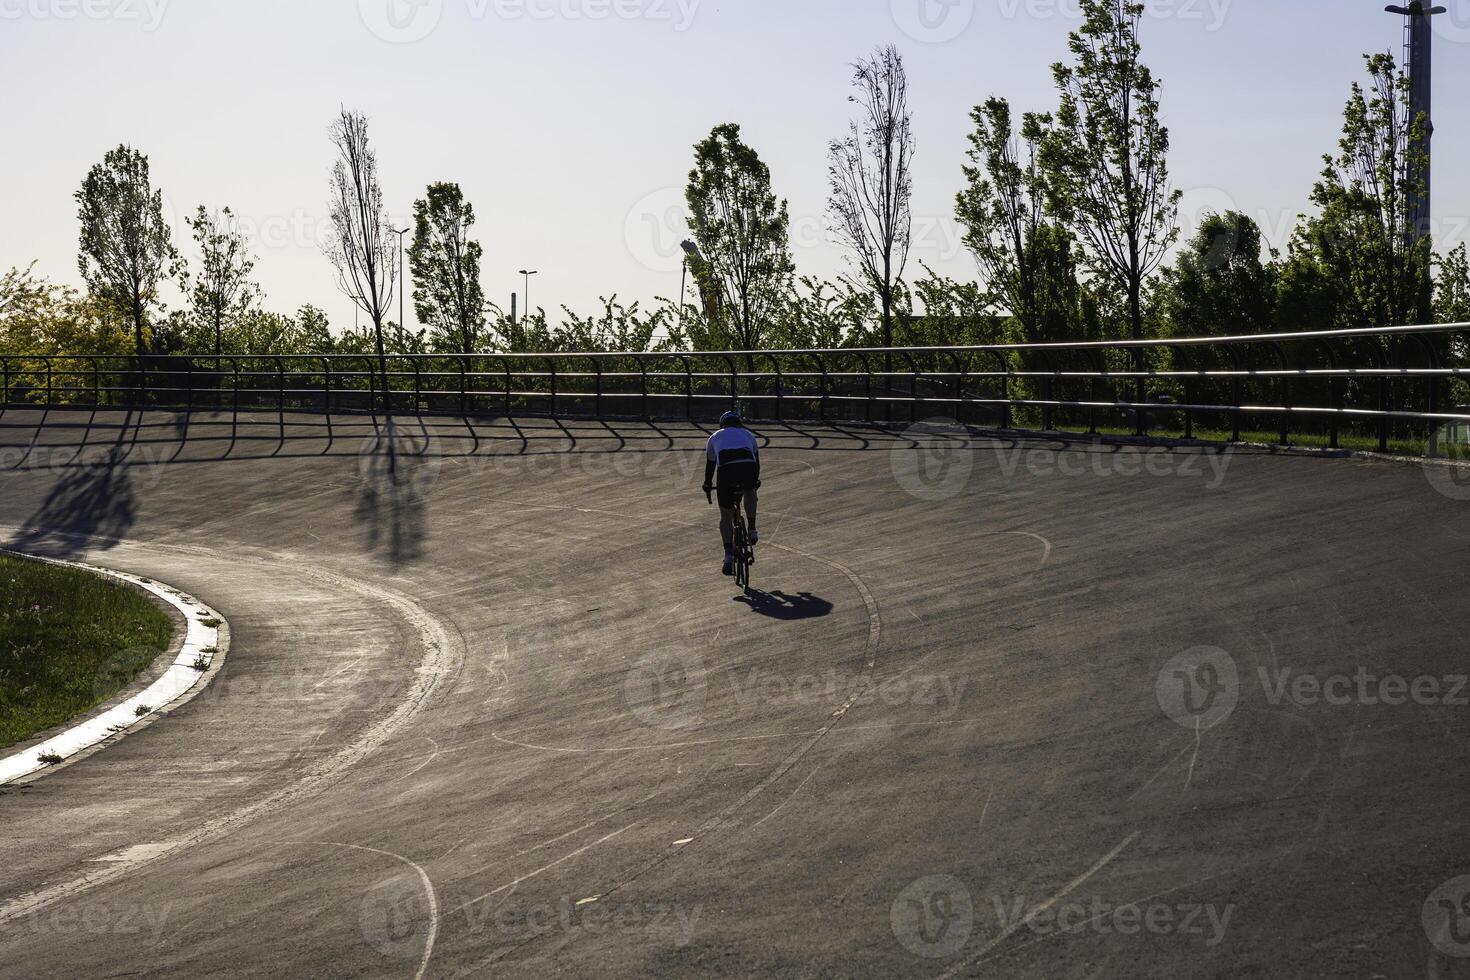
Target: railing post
{"points": [[327, 395], [734, 380], [1139, 393], [826, 387], [1005, 389], [867, 387], [235, 400], [506, 362], [1235, 394], [281, 397], [780, 384], [464, 386], [913, 386], [96, 383], [643, 388], [1048, 389], [189, 389], [688, 386], [551, 362], [48, 382], [1285, 395], [597, 392], [961, 369]]}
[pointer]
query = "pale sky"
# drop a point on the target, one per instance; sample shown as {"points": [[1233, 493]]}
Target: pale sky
{"points": [[570, 123]]}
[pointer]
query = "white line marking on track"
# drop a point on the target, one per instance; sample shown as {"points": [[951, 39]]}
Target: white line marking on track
{"points": [[424, 880]]}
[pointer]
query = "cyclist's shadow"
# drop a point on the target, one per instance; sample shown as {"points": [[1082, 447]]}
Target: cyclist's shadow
{"points": [[779, 605]]}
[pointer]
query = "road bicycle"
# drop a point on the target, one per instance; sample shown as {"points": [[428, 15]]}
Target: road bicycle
{"points": [[741, 548]]}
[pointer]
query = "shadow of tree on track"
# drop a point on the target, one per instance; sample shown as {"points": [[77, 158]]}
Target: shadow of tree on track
{"points": [[396, 475], [92, 505]]}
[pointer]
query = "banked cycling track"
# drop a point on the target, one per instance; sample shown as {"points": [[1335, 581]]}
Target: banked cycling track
{"points": [[1001, 706]]}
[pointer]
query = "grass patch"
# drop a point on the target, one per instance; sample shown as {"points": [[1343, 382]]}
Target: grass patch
{"points": [[69, 640]]}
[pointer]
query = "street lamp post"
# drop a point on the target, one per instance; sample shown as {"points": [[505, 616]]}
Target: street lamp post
{"points": [[528, 273], [689, 249], [1420, 55], [402, 282]]}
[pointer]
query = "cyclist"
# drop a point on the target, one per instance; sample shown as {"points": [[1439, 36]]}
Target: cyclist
{"points": [[734, 454]]}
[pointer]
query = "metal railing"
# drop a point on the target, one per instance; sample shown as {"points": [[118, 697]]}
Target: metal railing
{"points": [[1388, 384]]}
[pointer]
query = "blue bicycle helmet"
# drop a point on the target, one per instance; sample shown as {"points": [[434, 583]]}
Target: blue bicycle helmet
{"points": [[731, 418]]}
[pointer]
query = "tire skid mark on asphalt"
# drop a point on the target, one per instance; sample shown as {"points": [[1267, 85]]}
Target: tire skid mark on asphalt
{"points": [[1026, 920], [441, 659]]}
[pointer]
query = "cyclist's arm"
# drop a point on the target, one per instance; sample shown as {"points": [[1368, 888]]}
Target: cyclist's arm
{"points": [[709, 472]]}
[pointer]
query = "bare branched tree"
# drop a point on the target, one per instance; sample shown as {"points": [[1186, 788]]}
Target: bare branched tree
{"points": [[360, 247], [871, 171]]}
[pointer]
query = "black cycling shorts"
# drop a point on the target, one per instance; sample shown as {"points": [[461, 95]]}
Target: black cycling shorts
{"points": [[736, 479]]}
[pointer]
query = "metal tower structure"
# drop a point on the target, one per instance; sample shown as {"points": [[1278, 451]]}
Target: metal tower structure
{"points": [[1419, 60]]}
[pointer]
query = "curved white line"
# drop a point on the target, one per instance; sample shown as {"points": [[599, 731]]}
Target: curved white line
{"points": [[440, 659], [423, 879], [180, 679]]}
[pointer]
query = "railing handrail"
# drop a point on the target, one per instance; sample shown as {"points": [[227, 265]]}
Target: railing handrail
{"points": [[1117, 344]]}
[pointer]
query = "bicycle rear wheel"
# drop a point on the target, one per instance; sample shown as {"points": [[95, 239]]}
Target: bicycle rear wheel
{"points": [[742, 556]]}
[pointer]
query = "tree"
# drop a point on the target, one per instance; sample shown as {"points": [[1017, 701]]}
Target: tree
{"points": [[871, 173], [359, 247], [1219, 286], [446, 270], [1452, 288], [1027, 260], [42, 318], [1375, 264], [126, 248], [742, 232], [1106, 159], [223, 290], [19, 287], [823, 316]]}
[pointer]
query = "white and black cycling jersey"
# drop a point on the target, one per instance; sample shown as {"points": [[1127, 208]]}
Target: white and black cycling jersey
{"points": [[733, 450]]}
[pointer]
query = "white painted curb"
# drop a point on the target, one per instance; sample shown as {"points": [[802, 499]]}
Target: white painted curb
{"points": [[202, 645]]}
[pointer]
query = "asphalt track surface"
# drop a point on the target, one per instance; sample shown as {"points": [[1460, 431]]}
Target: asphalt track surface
{"points": [[493, 712]]}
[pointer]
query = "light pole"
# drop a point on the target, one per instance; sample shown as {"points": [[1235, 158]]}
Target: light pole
{"points": [[402, 282], [1420, 65], [528, 273], [689, 249]]}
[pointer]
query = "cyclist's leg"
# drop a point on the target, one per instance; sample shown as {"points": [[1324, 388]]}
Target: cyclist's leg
{"points": [[750, 502], [727, 526]]}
